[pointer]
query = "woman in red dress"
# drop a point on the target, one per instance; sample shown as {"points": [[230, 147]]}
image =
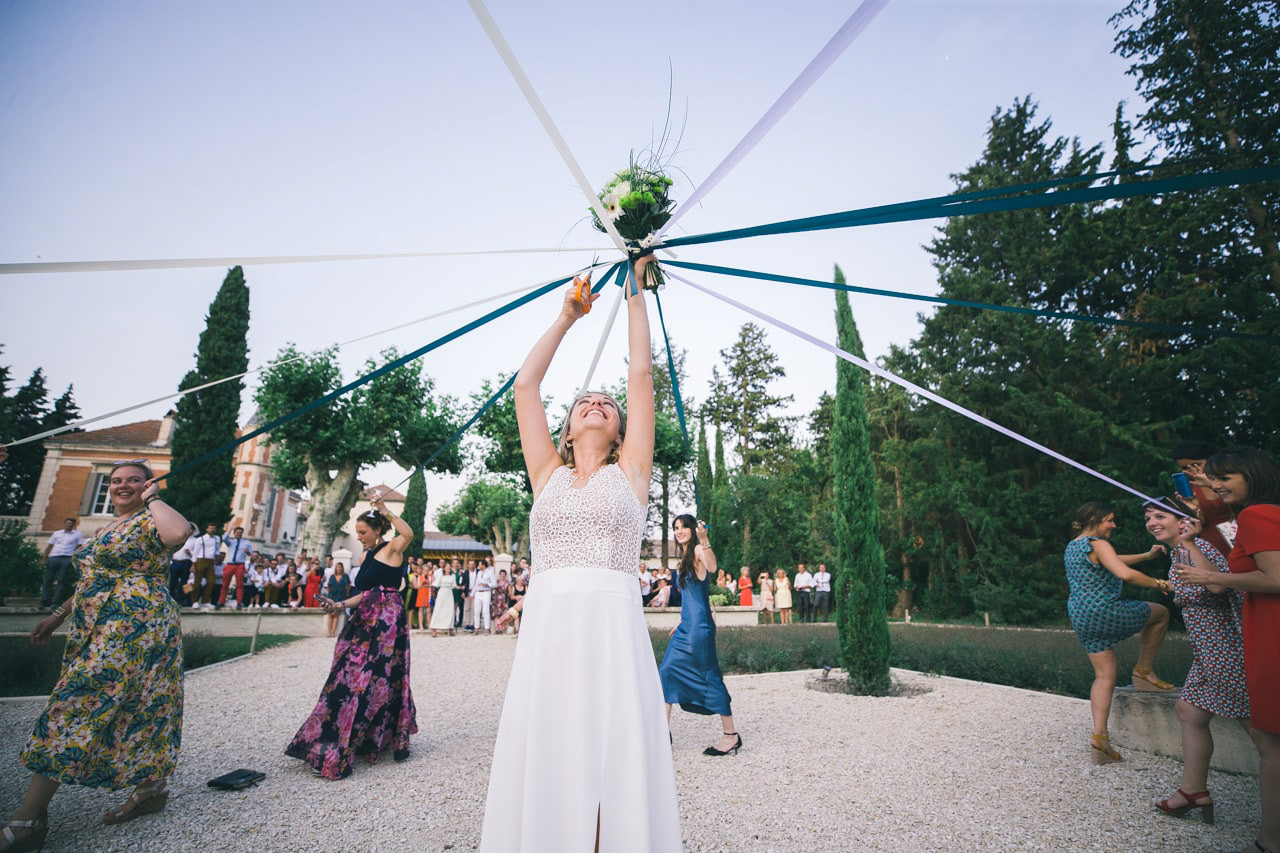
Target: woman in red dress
{"points": [[1250, 480], [744, 589], [315, 578]]}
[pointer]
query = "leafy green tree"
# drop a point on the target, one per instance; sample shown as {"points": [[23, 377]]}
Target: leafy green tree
{"points": [[858, 585], [703, 476], [1201, 68], [27, 412], [741, 400], [208, 418], [20, 571], [394, 417], [500, 451], [415, 510], [672, 453], [492, 511]]}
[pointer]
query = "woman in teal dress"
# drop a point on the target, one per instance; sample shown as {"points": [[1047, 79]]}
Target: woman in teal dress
{"points": [[114, 720], [690, 671], [1101, 618]]}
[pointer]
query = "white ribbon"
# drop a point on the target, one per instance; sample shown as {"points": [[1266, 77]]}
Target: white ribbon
{"points": [[926, 393], [259, 369], [853, 27], [604, 336], [193, 263], [548, 124]]}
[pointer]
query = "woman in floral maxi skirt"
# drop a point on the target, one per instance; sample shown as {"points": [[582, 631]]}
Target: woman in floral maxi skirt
{"points": [[366, 706]]}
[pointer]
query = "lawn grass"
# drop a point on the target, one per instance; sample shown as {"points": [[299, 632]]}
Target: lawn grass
{"points": [[33, 670], [1051, 661]]}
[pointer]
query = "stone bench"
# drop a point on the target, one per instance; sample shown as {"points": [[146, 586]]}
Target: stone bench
{"points": [[1146, 721]]}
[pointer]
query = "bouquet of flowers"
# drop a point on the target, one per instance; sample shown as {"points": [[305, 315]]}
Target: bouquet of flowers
{"points": [[637, 203]]}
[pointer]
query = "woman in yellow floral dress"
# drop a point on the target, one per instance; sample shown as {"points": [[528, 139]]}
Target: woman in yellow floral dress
{"points": [[114, 720]]}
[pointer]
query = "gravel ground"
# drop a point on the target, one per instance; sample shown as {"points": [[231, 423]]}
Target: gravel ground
{"points": [[957, 765]]}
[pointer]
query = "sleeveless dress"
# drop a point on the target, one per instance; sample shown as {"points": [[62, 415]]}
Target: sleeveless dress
{"points": [[114, 719], [1100, 617], [366, 706], [583, 737], [690, 671], [744, 592], [783, 594], [1215, 681]]}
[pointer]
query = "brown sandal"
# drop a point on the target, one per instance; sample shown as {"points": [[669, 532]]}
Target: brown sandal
{"points": [[1102, 751], [145, 799], [1146, 679]]}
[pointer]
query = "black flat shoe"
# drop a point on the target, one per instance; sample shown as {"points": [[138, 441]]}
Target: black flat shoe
{"points": [[400, 755], [711, 750]]}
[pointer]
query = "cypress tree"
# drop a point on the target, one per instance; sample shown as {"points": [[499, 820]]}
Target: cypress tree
{"points": [[702, 481], [415, 510], [208, 418], [726, 538], [858, 584]]}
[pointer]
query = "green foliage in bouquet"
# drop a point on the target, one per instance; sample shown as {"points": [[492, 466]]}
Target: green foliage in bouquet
{"points": [[637, 202]]}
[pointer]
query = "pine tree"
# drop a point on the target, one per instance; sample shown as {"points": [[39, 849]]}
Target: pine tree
{"points": [[415, 510], [208, 418], [26, 413], [858, 584], [741, 400], [726, 535]]}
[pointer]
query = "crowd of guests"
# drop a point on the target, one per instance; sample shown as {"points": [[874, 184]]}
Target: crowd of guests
{"points": [[1221, 531], [775, 594]]}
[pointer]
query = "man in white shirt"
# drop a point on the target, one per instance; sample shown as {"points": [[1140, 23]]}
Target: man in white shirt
{"points": [[646, 585], [180, 570], [273, 583], [821, 592], [804, 593], [482, 585], [207, 548], [57, 563], [239, 550]]}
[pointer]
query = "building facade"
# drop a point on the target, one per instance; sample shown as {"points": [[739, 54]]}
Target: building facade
{"points": [[73, 483]]}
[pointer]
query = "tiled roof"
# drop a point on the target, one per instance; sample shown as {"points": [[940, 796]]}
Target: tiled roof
{"points": [[388, 493], [140, 433]]}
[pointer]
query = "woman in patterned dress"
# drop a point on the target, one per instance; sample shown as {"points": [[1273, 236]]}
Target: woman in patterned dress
{"points": [[114, 719], [1101, 618], [1215, 683], [498, 602], [582, 759], [366, 706], [1249, 480]]}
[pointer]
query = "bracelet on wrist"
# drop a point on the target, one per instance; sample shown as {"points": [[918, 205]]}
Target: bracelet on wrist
{"points": [[147, 501]]}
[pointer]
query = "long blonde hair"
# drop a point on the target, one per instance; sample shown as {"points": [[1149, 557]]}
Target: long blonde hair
{"points": [[565, 445]]}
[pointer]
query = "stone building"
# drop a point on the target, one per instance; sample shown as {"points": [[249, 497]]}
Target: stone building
{"points": [[73, 483]]}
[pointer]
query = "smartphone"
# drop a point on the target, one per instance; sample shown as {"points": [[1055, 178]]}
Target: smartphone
{"points": [[1182, 485]]}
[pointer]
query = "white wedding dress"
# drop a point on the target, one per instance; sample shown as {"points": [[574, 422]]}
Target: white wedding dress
{"points": [[583, 735]]}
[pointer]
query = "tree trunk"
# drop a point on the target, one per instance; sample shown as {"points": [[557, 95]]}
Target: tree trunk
{"points": [[328, 506]]}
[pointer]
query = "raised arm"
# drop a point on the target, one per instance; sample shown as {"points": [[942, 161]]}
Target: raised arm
{"points": [[170, 524], [404, 533], [540, 457], [636, 454]]}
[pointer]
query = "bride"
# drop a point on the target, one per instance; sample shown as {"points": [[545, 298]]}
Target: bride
{"points": [[582, 758]]}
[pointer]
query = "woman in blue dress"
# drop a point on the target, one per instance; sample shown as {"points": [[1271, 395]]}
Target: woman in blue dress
{"points": [[690, 672], [1101, 618]]}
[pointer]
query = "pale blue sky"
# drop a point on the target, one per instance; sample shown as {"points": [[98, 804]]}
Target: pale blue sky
{"points": [[171, 130]]}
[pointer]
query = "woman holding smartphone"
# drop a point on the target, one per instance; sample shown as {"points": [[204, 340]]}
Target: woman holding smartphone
{"points": [[1250, 481]]}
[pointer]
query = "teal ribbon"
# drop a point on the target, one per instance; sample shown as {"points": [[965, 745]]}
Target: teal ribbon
{"points": [[943, 300], [369, 377], [496, 397], [675, 392], [965, 204]]}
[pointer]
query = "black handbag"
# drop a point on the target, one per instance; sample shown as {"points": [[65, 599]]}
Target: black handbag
{"points": [[237, 779]]}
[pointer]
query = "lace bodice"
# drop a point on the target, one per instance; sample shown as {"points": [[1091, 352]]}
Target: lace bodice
{"points": [[598, 525]]}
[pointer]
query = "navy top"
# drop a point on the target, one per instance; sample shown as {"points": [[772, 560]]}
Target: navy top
{"points": [[373, 572]]}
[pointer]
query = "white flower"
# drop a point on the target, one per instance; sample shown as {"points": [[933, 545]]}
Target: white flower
{"points": [[622, 189], [610, 200]]}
